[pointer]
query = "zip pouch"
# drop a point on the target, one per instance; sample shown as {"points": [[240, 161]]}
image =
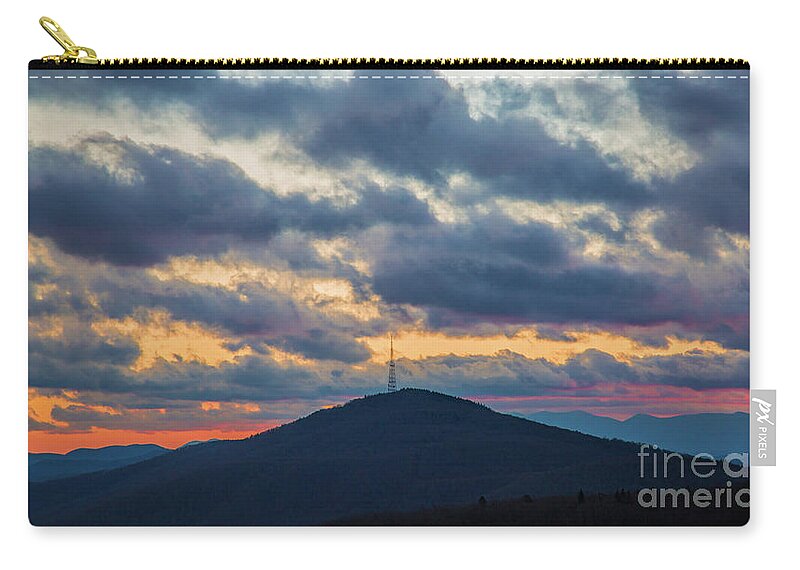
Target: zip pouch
{"points": [[380, 292]]}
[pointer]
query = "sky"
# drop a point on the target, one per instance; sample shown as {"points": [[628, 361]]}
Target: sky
{"points": [[212, 257]]}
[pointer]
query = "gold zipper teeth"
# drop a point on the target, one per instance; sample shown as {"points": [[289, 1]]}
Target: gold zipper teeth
{"points": [[485, 63]]}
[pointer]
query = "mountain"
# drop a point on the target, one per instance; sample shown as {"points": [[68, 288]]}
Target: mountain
{"points": [[197, 442], [401, 451], [47, 466], [717, 434]]}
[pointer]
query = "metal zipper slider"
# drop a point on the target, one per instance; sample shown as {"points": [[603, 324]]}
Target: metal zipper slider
{"points": [[72, 53]]}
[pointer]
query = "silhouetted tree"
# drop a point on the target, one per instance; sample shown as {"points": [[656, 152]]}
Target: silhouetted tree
{"points": [[527, 499], [581, 497], [482, 501]]}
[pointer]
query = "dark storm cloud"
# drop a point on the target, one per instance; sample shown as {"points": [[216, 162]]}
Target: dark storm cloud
{"points": [[251, 311], [253, 378], [518, 274], [227, 108], [697, 111], [162, 202], [34, 425], [492, 268], [324, 345], [80, 417], [510, 374], [728, 336], [427, 132], [595, 367], [413, 128], [46, 370], [154, 202], [546, 332], [492, 236], [83, 418], [55, 302], [714, 194], [79, 358], [697, 369], [680, 232], [250, 378], [165, 208], [117, 293], [263, 311], [712, 117], [81, 344], [423, 128]]}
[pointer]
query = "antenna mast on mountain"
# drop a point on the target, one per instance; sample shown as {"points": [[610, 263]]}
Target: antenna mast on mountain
{"points": [[392, 376]]}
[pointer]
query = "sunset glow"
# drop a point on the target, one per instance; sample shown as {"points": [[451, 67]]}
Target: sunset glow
{"points": [[213, 259], [423, 344]]}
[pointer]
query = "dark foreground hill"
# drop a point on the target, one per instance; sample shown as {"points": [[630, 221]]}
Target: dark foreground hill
{"points": [[48, 466], [595, 510], [403, 451]]}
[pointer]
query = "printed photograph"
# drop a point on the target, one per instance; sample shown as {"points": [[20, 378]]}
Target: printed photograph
{"points": [[404, 297]]}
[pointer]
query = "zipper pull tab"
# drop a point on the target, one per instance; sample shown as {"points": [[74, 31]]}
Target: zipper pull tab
{"points": [[72, 52]]}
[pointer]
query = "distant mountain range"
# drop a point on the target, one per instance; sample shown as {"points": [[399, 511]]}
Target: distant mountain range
{"points": [[717, 434], [394, 452], [48, 466], [197, 442]]}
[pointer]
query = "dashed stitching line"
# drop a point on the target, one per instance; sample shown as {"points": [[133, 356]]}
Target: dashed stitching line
{"points": [[384, 77]]}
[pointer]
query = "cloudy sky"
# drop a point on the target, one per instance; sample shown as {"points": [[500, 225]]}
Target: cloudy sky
{"points": [[211, 256]]}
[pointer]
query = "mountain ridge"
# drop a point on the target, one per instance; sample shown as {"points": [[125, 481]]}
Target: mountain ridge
{"points": [[399, 451], [49, 466], [716, 433]]}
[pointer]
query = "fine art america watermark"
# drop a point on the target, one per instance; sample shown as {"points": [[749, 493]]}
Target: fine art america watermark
{"points": [[655, 463]]}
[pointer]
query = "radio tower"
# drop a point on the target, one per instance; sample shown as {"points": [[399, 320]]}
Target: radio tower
{"points": [[392, 377]]}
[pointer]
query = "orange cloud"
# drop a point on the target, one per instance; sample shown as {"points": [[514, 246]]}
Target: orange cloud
{"points": [[161, 337], [333, 296], [40, 406], [423, 344], [249, 407], [46, 327]]}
